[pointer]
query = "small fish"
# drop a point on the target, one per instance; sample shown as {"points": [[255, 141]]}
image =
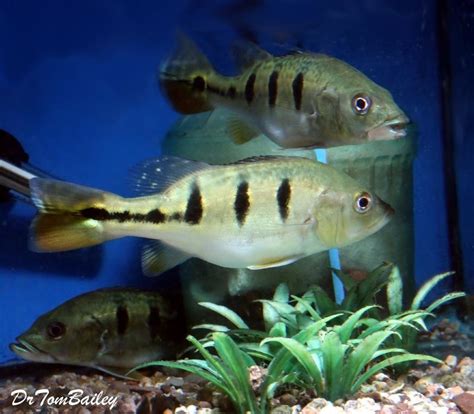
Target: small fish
{"points": [[111, 329], [298, 100], [257, 213]]}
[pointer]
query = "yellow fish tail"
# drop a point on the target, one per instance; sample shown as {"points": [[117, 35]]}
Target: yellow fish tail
{"points": [[69, 216]]}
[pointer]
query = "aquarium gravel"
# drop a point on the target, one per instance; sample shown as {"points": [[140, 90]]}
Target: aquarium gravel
{"points": [[447, 388]]}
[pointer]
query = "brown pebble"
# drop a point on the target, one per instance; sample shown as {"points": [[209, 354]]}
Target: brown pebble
{"points": [[288, 399], [204, 404], [465, 402]]}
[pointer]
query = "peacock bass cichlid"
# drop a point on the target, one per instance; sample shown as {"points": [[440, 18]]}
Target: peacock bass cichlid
{"points": [[298, 100], [112, 329], [257, 213]]}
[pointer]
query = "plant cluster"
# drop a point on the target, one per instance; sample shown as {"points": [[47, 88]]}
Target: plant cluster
{"points": [[310, 340]]}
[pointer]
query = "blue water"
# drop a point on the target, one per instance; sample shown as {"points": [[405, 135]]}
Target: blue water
{"points": [[78, 87]]}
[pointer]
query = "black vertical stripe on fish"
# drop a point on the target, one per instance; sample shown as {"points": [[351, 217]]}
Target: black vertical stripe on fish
{"points": [[122, 317], [297, 86], [194, 210], [273, 88], [231, 92], [242, 202], [250, 88], [199, 84], [283, 198], [153, 321]]}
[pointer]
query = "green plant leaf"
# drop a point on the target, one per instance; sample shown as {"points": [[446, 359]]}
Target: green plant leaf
{"points": [[282, 293], [446, 298], [299, 351], [303, 305], [395, 291], [346, 280], [362, 354], [389, 362], [279, 329], [427, 287], [333, 351], [233, 356], [212, 327], [346, 329], [323, 303], [227, 313]]}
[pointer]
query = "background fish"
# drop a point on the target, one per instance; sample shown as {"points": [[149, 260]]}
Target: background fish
{"points": [[298, 100], [257, 213], [109, 329]]}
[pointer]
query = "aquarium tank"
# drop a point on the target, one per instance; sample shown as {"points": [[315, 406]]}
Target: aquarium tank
{"points": [[236, 206]]}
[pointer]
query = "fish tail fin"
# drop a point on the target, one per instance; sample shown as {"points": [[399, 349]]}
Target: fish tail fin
{"points": [[69, 216], [183, 78]]}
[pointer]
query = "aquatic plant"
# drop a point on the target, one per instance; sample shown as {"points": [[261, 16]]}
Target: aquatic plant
{"points": [[313, 358], [321, 359]]}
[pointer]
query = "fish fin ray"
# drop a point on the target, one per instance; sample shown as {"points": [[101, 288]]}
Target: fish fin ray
{"points": [[240, 131], [158, 257], [55, 196], [246, 54], [275, 263], [177, 73], [59, 226], [156, 175], [62, 232]]}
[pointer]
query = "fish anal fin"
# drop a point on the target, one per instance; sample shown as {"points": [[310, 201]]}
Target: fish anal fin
{"points": [[155, 175], [158, 257], [62, 232], [275, 263], [240, 131]]}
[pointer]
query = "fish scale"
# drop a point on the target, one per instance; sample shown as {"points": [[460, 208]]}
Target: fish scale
{"points": [[113, 329], [257, 213], [297, 100]]}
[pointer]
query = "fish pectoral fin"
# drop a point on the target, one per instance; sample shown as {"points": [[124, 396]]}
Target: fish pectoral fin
{"points": [[275, 263], [119, 372], [240, 131], [158, 257]]}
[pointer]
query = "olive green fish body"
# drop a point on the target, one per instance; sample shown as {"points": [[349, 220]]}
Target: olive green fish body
{"points": [[108, 328], [256, 213], [298, 100]]}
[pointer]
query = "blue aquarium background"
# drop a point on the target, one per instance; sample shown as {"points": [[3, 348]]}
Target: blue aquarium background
{"points": [[78, 88]]}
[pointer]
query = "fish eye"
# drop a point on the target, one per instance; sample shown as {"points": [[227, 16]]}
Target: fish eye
{"points": [[56, 330], [363, 203], [361, 104]]}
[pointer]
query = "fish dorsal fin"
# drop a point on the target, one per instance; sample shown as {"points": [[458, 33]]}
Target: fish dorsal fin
{"points": [[155, 175], [158, 257], [246, 54]]}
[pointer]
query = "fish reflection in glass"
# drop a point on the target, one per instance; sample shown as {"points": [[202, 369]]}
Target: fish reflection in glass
{"points": [[298, 100]]}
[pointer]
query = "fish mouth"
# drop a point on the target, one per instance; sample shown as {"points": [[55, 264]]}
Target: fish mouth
{"points": [[28, 351], [390, 129]]}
